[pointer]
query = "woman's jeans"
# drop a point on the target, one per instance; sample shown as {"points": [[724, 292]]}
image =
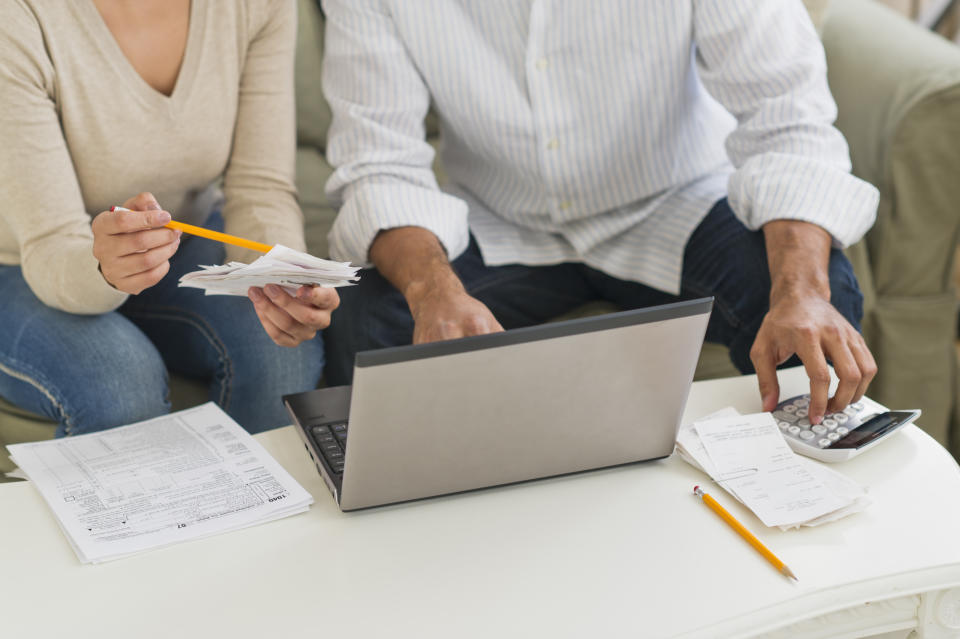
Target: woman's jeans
{"points": [[91, 372]]}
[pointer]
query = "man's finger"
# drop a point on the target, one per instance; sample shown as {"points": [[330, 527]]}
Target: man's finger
{"points": [[848, 372], [766, 368], [819, 374], [867, 366]]}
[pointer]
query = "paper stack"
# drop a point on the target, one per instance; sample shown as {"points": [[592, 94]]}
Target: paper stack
{"points": [[183, 476], [282, 266], [747, 456]]}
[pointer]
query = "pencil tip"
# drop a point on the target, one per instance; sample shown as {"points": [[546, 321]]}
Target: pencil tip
{"points": [[789, 573]]}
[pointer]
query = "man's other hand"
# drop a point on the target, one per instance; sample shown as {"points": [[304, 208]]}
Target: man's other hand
{"points": [[802, 320], [414, 261], [449, 314], [813, 329]]}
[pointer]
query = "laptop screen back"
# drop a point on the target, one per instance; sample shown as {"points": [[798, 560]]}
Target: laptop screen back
{"points": [[496, 409]]}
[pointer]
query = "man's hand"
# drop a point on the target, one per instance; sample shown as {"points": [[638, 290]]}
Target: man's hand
{"points": [[413, 260], [291, 320], [801, 320], [450, 313], [133, 248]]}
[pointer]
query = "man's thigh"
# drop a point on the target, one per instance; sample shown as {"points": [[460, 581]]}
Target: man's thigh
{"points": [[725, 260]]}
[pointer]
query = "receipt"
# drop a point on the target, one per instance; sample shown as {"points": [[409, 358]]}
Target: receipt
{"points": [[751, 459]]}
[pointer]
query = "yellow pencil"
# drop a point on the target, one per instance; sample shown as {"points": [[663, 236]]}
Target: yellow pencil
{"points": [[743, 532], [211, 235]]}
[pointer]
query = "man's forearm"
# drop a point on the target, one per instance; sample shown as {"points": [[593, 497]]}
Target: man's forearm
{"points": [[413, 260], [798, 255]]}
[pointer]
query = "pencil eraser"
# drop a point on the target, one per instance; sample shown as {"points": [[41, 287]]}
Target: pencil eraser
{"points": [[695, 489]]}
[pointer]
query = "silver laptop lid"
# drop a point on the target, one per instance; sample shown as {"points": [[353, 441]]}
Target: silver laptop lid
{"points": [[495, 409]]}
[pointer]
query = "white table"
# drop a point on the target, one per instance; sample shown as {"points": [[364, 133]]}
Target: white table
{"points": [[627, 551]]}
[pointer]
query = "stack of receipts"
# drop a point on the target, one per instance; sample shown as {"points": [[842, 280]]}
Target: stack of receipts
{"points": [[175, 478], [747, 456], [282, 266]]}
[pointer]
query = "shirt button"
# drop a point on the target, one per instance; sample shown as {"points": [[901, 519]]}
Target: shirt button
{"points": [[553, 144], [542, 64]]}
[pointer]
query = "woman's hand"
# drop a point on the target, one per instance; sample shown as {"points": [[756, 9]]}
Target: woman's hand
{"points": [[132, 246], [290, 320]]}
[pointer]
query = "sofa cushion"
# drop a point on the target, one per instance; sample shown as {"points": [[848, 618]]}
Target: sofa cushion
{"points": [[313, 113]]}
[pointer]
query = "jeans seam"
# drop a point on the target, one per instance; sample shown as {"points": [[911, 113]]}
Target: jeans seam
{"points": [[179, 315], [58, 404]]}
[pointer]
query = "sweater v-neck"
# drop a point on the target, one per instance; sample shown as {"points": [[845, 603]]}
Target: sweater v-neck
{"points": [[150, 96]]}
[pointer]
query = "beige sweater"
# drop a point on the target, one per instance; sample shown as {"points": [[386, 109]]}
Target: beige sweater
{"points": [[80, 131]]}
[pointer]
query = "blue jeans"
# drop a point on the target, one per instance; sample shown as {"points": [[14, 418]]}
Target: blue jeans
{"points": [[722, 259], [91, 372]]}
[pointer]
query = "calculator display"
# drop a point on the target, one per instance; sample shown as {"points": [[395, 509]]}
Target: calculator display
{"points": [[873, 428]]}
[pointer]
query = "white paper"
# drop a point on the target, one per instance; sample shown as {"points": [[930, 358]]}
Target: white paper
{"points": [[282, 266], [182, 476], [782, 490], [748, 457]]}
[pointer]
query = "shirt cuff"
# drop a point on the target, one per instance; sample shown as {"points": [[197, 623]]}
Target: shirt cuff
{"points": [[374, 205], [780, 187]]}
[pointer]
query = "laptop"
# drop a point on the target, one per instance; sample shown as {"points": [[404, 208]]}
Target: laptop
{"points": [[476, 412]]}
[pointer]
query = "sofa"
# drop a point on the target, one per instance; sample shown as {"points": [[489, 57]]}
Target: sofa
{"points": [[898, 91]]}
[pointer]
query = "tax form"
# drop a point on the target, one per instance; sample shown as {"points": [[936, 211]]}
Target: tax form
{"points": [[174, 478]]}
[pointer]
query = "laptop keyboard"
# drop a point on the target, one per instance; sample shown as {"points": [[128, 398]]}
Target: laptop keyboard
{"points": [[331, 440]]}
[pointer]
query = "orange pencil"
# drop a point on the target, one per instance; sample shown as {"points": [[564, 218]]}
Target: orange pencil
{"points": [[743, 532], [211, 235]]}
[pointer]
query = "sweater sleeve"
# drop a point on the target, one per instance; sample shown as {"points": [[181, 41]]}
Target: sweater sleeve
{"points": [[42, 205], [260, 196]]}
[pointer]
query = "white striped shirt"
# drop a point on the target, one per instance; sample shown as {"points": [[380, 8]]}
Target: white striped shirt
{"points": [[594, 131]]}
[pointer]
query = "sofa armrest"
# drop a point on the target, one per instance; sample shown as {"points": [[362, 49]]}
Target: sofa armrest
{"points": [[881, 66], [897, 88]]}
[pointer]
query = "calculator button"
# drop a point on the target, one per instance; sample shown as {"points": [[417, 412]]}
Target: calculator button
{"points": [[802, 412], [784, 416], [857, 406], [833, 436], [794, 430], [789, 408], [783, 425], [806, 435], [819, 429], [842, 431], [803, 402], [803, 423], [831, 422], [840, 418], [851, 411], [823, 443]]}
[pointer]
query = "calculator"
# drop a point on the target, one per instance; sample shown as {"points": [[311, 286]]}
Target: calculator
{"points": [[841, 435]]}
